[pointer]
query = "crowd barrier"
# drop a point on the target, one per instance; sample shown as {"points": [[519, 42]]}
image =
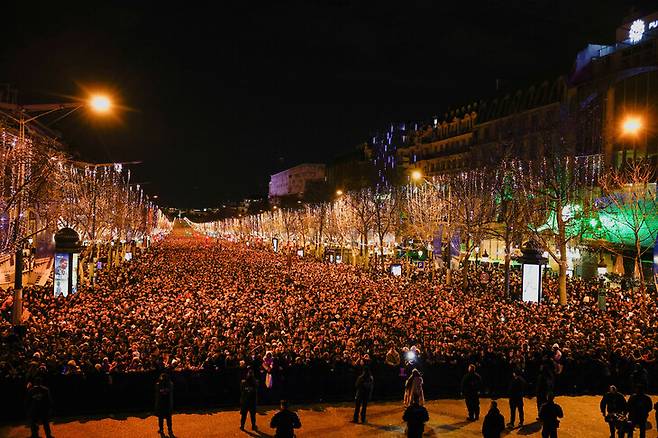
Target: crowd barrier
{"points": [[101, 394]]}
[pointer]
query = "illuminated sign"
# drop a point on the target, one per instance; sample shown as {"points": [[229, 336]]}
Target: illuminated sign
{"points": [[638, 28], [74, 273], [532, 282], [636, 31], [61, 274]]}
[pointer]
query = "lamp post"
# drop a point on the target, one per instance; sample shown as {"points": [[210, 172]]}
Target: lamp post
{"points": [[23, 115], [631, 127]]}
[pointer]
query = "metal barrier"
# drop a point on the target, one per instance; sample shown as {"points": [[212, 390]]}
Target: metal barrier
{"points": [[76, 395]]}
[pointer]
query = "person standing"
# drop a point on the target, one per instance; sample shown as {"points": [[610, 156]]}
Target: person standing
{"points": [[39, 405], [364, 386], [545, 383], [248, 399], [494, 422], [640, 377], [639, 405], [414, 388], [285, 422], [392, 357], [415, 416], [164, 402], [613, 405], [515, 392], [550, 414], [471, 384]]}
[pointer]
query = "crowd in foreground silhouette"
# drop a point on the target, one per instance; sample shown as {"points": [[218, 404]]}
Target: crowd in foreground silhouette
{"points": [[193, 303]]}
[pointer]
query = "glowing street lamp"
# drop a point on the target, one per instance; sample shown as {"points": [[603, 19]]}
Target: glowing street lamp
{"points": [[339, 192], [416, 175], [100, 103], [631, 125]]}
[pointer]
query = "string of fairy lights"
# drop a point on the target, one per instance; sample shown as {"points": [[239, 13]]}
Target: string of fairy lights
{"points": [[470, 202], [43, 189]]}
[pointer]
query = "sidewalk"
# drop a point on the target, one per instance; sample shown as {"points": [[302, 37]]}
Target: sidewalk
{"points": [[447, 419]]}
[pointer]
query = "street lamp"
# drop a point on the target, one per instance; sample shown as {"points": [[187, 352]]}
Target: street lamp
{"points": [[416, 175], [100, 103], [22, 115], [630, 128], [339, 192], [631, 125]]}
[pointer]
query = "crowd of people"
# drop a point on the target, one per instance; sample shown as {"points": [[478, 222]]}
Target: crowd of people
{"points": [[194, 303]]}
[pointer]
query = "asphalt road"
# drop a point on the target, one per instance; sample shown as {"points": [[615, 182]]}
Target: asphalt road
{"points": [[447, 419]]}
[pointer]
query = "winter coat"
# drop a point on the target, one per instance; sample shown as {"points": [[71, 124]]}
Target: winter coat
{"points": [[364, 386], [493, 424], [471, 384], [415, 416], [164, 398]]}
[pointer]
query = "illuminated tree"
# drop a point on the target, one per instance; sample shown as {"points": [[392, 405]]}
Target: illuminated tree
{"points": [[362, 204], [27, 170], [556, 201], [386, 218], [425, 208], [628, 211], [510, 226], [473, 210]]}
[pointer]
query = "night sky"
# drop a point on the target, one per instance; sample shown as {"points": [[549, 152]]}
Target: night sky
{"points": [[216, 99]]}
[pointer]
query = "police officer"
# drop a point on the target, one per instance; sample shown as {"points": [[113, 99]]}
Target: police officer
{"points": [[39, 404], [494, 422], [471, 384], [164, 402], [248, 397], [550, 414], [285, 422], [364, 386], [516, 389], [639, 406], [415, 416], [613, 407]]}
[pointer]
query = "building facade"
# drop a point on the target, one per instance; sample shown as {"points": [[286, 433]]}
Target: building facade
{"points": [[295, 181], [582, 113]]}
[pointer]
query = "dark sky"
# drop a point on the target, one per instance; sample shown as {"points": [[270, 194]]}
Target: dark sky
{"points": [[217, 98]]}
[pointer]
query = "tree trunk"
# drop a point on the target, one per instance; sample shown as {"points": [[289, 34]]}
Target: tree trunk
{"points": [[508, 259], [381, 250], [562, 279], [562, 243], [639, 274], [466, 264]]}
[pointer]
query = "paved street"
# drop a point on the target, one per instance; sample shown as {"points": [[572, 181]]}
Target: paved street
{"points": [[447, 419]]}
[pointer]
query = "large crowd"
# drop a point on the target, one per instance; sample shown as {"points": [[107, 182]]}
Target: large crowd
{"points": [[193, 303]]}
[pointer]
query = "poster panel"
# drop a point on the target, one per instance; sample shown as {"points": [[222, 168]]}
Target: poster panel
{"points": [[531, 283], [61, 274], [74, 273]]}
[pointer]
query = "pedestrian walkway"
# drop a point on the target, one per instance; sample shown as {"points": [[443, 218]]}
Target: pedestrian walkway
{"points": [[447, 419]]}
